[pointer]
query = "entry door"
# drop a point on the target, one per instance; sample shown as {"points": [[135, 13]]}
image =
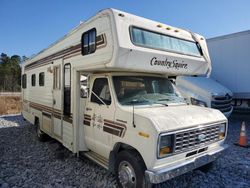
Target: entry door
{"points": [[102, 110], [57, 99]]}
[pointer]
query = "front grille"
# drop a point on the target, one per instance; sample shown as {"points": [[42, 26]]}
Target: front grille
{"points": [[187, 140], [222, 103]]}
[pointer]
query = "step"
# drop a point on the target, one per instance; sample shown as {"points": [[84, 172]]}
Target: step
{"points": [[96, 158]]}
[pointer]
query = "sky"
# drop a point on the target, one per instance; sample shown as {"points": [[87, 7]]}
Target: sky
{"points": [[29, 26]]}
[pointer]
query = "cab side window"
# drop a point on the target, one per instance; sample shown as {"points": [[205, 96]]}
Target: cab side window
{"points": [[101, 91]]}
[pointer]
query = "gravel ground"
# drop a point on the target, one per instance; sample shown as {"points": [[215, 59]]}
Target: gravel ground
{"points": [[26, 162]]}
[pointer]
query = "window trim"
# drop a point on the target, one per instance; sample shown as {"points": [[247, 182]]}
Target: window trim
{"points": [[82, 41], [41, 73], [59, 77], [69, 75], [111, 99], [34, 80], [165, 50]]}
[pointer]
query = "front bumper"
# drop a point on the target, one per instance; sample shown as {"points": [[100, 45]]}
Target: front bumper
{"points": [[166, 173]]}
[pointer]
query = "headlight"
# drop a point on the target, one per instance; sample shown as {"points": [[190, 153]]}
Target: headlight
{"points": [[198, 102], [222, 131], [165, 145]]}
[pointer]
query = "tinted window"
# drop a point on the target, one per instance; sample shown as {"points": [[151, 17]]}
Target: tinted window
{"points": [[24, 81], [159, 41], [41, 79], [101, 91], [33, 80], [89, 42], [67, 89]]}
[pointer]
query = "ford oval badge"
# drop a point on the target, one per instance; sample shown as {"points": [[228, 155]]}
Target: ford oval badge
{"points": [[201, 137]]}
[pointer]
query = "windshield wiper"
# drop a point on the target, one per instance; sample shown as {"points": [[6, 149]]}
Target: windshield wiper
{"points": [[164, 104]]}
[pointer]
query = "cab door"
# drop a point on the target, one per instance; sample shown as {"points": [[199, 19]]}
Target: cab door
{"points": [[102, 109]]}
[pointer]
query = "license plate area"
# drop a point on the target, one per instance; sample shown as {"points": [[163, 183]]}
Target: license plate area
{"points": [[202, 161]]}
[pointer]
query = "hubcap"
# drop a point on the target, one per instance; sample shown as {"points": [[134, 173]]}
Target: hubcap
{"points": [[126, 175]]}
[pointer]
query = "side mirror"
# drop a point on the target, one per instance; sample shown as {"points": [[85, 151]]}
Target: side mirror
{"points": [[84, 92]]}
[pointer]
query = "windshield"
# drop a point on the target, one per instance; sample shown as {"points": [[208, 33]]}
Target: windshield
{"points": [[145, 90], [154, 40]]}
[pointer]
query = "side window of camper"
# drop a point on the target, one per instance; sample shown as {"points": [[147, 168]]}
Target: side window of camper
{"points": [[57, 76], [41, 79], [33, 80], [101, 92], [89, 42], [24, 81]]}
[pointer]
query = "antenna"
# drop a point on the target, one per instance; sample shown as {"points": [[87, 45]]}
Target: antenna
{"points": [[133, 121]]}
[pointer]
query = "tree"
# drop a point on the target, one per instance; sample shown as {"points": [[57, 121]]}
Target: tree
{"points": [[10, 73]]}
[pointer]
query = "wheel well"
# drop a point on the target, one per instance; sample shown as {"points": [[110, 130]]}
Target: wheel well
{"points": [[117, 149]]}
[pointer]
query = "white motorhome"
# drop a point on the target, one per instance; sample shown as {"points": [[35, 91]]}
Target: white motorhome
{"points": [[103, 91]]}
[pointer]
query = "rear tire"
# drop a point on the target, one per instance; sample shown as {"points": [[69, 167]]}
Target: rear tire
{"points": [[41, 136], [130, 170]]}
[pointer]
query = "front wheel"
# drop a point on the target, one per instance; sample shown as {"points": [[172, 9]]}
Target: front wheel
{"points": [[130, 170]]}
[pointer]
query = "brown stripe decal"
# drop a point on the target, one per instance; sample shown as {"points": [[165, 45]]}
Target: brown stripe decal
{"points": [[58, 116], [55, 112], [52, 57], [87, 119], [101, 42], [114, 128], [85, 122], [111, 131]]}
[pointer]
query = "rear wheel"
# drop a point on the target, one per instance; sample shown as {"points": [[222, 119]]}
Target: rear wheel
{"points": [[40, 134], [130, 170]]}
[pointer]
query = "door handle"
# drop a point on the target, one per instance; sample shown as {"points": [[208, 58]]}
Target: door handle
{"points": [[88, 109]]}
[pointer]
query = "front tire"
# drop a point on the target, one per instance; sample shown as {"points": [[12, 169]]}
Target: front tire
{"points": [[130, 170]]}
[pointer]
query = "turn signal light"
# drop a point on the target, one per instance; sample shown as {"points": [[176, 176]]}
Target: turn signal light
{"points": [[221, 135], [165, 150]]}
